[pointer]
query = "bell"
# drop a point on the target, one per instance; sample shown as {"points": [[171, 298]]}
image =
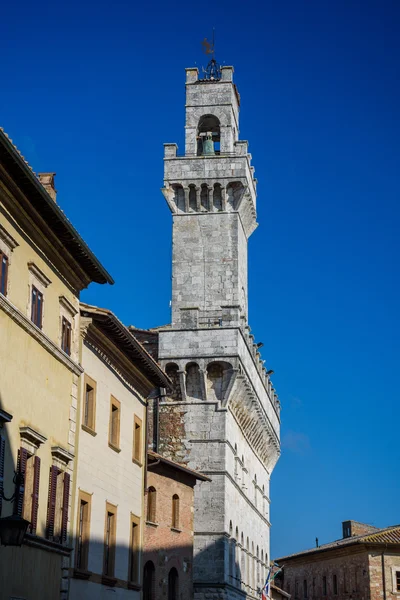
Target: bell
{"points": [[208, 145]]}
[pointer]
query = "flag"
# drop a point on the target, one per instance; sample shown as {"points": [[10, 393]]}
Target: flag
{"points": [[265, 590]]}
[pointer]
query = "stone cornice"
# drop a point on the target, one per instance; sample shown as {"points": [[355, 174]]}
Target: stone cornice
{"points": [[59, 453], [121, 366], [38, 273], [68, 306], [5, 417], [31, 436], [7, 238], [34, 331]]}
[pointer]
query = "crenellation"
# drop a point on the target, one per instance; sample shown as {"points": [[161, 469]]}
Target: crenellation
{"points": [[223, 415]]}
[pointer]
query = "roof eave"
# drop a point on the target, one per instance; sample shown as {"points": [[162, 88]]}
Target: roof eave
{"points": [[102, 275]]}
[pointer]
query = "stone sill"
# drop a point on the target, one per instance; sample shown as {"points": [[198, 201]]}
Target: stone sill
{"points": [[151, 524], [134, 586], [176, 530], [81, 574], [137, 462], [115, 448], [108, 580], [89, 430]]}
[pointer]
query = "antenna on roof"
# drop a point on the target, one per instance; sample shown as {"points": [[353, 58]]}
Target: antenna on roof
{"points": [[316, 543]]}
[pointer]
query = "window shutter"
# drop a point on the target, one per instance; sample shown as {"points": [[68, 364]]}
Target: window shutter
{"points": [[51, 507], [64, 519], [35, 494], [21, 469], [2, 453]]}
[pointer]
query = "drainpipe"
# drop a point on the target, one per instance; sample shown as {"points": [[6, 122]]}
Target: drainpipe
{"points": [[383, 575]]}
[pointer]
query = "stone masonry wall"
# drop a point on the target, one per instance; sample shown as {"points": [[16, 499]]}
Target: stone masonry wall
{"points": [[351, 570]]}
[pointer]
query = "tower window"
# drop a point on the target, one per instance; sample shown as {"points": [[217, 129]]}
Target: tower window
{"points": [[208, 136]]}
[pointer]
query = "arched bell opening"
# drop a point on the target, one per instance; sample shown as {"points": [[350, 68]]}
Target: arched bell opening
{"points": [[208, 136]]}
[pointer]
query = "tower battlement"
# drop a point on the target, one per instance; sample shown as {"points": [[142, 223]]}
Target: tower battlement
{"points": [[223, 416]]}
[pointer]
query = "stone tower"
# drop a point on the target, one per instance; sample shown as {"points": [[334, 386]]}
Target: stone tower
{"points": [[223, 417]]}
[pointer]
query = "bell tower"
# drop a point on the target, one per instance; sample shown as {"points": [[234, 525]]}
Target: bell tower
{"points": [[223, 417]]}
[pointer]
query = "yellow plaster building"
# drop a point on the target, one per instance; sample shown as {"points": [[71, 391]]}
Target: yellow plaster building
{"points": [[44, 264]]}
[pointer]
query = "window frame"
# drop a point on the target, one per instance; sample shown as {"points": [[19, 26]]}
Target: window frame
{"points": [[4, 282], [334, 584], [175, 512], [324, 586], [137, 443], [151, 508], [85, 544], [35, 314], [66, 333], [114, 443], [86, 426], [134, 551], [112, 543]]}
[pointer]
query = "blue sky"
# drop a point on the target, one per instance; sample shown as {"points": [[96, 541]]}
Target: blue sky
{"points": [[93, 90]]}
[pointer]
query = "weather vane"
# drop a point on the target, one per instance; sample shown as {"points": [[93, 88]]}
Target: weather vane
{"points": [[213, 71]]}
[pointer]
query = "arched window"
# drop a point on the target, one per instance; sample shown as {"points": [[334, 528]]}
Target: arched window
{"points": [[243, 562], [151, 504], [175, 511], [172, 370], [208, 135], [218, 378], [204, 197], [179, 197], [237, 559], [217, 197], [194, 389], [192, 198], [231, 555], [258, 568], [173, 584], [149, 581]]}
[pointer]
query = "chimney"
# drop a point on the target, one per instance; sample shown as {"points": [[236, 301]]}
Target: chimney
{"points": [[47, 181], [353, 528]]}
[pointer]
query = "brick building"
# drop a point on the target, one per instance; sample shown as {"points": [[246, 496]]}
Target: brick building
{"points": [[363, 565], [168, 536]]}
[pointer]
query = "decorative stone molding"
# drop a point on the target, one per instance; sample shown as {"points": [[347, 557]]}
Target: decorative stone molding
{"points": [[7, 239], [26, 324], [61, 457], [68, 306], [31, 439], [38, 273], [5, 417]]}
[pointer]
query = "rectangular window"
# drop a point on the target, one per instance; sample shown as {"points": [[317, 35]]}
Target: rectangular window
{"points": [[305, 590], [324, 585], [66, 336], [115, 409], [133, 575], [137, 439], [296, 589], [110, 532], [3, 273], [175, 511], [89, 403], [57, 507], [335, 588], [37, 307], [397, 581], [2, 457], [83, 531]]}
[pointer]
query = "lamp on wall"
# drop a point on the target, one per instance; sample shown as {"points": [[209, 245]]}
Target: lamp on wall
{"points": [[13, 528]]}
